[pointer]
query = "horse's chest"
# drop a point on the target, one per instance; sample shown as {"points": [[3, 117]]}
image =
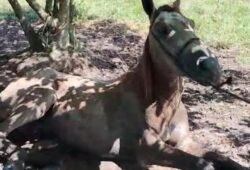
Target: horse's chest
{"points": [[100, 126]]}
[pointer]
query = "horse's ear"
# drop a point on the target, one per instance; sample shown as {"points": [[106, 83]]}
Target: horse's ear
{"points": [[148, 6], [176, 5]]}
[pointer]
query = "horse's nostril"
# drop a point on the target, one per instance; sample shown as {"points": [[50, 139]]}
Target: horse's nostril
{"points": [[208, 64], [204, 65]]}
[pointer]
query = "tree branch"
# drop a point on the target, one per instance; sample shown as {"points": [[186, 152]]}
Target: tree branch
{"points": [[63, 14], [72, 14], [46, 17], [38, 9], [17, 9], [49, 6], [55, 8]]}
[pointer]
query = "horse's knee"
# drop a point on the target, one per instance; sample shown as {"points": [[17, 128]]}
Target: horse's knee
{"points": [[178, 133], [178, 128]]}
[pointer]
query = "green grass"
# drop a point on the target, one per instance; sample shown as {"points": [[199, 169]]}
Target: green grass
{"points": [[220, 23], [7, 12], [244, 57]]}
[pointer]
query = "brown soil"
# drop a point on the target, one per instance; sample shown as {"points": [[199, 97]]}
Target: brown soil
{"points": [[217, 120]]}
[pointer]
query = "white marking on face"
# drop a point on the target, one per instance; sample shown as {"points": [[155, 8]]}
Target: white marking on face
{"points": [[189, 28], [171, 34], [200, 48], [212, 55], [200, 59], [116, 147]]}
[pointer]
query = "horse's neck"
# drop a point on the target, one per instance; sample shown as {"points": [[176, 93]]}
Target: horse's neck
{"points": [[160, 89], [153, 85]]}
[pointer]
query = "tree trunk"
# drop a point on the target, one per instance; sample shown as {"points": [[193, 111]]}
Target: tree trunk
{"points": [[32, 37], [66, 35], [58, 30], [49, 6]]}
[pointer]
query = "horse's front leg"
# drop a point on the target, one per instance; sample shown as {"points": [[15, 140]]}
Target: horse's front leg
{"points": [[221, 162], [153, 151]]}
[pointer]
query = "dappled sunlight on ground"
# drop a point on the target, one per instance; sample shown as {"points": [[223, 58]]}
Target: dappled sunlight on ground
{"points": [[12, 37]]}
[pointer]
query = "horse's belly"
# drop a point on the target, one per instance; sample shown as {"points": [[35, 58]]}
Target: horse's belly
{"points": [[97, 125], [93, 133], [84, 134]]}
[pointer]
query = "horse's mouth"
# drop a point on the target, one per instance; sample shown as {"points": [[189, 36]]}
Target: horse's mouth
{"points": [[216, 83], [225, 80]]}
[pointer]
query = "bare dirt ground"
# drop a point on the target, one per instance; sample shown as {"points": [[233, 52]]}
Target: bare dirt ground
{"points": [[217, 120]]}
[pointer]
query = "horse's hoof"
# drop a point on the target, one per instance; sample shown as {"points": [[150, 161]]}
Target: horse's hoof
{"points": [[222, 162]]}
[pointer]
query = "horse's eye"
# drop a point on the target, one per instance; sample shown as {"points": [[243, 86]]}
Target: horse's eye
{"points": [[163, 29]]}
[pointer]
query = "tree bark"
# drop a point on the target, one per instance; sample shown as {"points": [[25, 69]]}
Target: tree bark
{"points": [[38, 9], [65, 37], [58, 30], [55, 8], [32, 37], [72, 15], [49, 6]]}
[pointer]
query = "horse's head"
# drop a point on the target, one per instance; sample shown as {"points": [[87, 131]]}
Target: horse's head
{"points": [[173, 43]]}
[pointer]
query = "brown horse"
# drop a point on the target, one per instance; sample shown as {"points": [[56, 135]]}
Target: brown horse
{"points": [[139, 116]]}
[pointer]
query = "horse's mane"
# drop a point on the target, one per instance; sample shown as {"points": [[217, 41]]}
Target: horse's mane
{"points": [[167, 8]]}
